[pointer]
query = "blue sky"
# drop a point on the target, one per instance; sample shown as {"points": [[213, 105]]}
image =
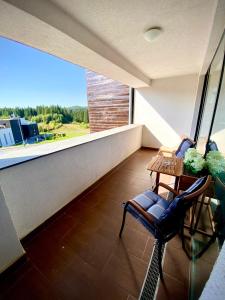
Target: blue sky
{"points": [[29, 77]]}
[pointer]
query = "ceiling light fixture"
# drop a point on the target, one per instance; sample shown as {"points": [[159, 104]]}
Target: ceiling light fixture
{"points": [[152, 33]]}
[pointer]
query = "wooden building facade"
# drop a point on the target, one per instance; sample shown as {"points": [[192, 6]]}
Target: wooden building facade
{"points": [[108, 102]]}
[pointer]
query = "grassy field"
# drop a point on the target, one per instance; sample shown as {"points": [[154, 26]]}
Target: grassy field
{"points": [[71, 131]]}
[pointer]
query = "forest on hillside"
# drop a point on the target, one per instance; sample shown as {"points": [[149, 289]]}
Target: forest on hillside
{"points": [[48, 117]]}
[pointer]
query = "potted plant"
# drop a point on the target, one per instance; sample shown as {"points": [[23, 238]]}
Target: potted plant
{"points": [[215, 162], [194, 161]]}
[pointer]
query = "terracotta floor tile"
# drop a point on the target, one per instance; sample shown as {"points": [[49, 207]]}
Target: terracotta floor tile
{"points": [[171, 289], [177, 264], [111, 209], [133, 223], [148, 249], [93, 198], [134, 241], [32, 286], [110, 228], [200, 272], [61, 226], [8, 281], [130, 297], [126, 270], [175, 242], [89, 245], [109, 289], [76, 280]]}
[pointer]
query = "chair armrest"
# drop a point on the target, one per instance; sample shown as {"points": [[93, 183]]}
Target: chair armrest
{"points": [[167, 149], [167, 187], [171, 152]]}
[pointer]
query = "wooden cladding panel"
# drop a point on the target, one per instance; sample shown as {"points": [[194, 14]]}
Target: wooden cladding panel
{"points": [[108, 102]]}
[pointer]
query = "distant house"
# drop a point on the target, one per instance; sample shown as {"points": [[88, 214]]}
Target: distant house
{"points": [[29, 129], [13, 128], [16, 130], [6, 136]]}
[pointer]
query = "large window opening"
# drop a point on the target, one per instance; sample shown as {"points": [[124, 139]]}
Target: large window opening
{"points": [[211, 132], [45, 99], [46, 95]]}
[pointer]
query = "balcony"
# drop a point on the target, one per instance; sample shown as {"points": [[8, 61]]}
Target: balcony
{"points": [[62, 209], [77, 254]]}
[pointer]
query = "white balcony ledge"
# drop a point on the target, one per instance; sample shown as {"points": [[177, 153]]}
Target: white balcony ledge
{"points": [[17, 155]]}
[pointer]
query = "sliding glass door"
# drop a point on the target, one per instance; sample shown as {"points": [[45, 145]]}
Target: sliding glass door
{"points": [[211, 127], [218, 126], [211, 98]]}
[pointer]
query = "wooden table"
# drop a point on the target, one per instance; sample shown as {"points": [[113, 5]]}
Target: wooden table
{"points": [[172, 166]]}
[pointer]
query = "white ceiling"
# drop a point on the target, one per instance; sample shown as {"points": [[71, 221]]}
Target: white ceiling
{"points": [[120, 24], [106, 36]]}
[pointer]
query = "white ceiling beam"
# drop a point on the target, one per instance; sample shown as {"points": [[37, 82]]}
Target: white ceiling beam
{"points": [[19, 18]]}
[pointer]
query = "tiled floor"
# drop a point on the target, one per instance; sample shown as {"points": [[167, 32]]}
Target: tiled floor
{"points": [[79, 254], [201, 268]]}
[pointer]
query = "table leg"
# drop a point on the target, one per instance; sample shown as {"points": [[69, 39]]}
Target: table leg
{"points": [[157, 182]]}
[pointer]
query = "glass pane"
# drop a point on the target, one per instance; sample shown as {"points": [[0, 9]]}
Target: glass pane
{"points": [[214, 202], [218, 130], [214, 78]]}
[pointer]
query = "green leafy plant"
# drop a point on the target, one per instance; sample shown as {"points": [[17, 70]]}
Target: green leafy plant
{"points": [[215, 162], [194, 161]]}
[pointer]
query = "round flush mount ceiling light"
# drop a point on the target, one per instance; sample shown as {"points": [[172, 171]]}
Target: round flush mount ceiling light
{"points": [[152, 34]]}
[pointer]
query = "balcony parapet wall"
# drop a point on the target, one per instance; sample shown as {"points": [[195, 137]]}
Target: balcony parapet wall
{"points": [[36, 188]]}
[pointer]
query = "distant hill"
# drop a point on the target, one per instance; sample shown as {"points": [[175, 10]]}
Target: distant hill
{"points": [[46, 114], [77, 107]]}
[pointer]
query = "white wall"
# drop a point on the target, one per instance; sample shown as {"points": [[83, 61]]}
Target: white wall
{"points": [[166, 110], [35, 190], [10, 247]]}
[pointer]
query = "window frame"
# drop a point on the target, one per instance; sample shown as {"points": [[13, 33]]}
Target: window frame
{"points": [[204, 95]]}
